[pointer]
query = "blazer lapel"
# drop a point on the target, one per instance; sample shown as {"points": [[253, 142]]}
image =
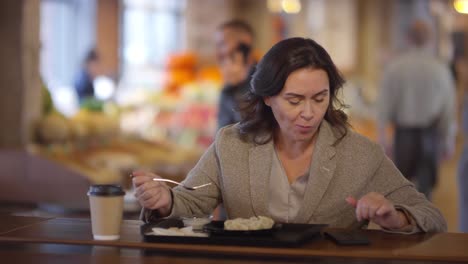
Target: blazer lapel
{"points": [[321, 172], [260, 159]]}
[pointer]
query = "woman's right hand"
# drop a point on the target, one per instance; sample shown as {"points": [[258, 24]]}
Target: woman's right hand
{"points": [[151, 194]]}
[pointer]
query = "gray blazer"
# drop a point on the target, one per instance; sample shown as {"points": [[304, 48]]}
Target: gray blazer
{"points": [[240, 171]]}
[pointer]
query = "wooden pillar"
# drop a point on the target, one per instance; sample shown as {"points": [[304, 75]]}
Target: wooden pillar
{"points": [[20, 99], [202, 18], [108, 34], [374, 34], [257, 15]]}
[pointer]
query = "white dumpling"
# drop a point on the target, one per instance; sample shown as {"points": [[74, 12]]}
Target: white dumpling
{"points": [[265, 222], [236, 224], [252, 223]]}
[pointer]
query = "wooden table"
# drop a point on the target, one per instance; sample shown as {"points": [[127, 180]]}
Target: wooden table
{"points": [[10, 223], [69, 240]]}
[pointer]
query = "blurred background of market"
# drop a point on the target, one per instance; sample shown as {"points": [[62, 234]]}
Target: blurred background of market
{"points": [[157, 91]]}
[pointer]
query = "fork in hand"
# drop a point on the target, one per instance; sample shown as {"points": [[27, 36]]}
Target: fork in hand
{"points": [[181, 184]]}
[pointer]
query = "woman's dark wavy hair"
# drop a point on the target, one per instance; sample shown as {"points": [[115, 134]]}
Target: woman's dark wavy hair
{"points": [[269, 78]]}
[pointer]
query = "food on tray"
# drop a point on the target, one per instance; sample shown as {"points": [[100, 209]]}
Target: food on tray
{"points": [[175, 231], [252, 223], [196, 223]]}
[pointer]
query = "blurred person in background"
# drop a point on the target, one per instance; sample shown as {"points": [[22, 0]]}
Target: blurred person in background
{"points": [[90, 69], [234, 40], [294, 158], [234, 53], [417, 97]]}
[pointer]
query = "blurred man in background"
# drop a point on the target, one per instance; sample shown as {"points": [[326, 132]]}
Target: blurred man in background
{"points": [[418, 97], [234, 40]]}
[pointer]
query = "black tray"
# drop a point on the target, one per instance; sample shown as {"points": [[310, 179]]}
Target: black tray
{"points": [[283, 235], [216, 228]]}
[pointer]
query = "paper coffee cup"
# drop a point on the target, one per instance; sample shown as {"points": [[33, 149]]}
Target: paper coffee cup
{"points": [[106, 205]]}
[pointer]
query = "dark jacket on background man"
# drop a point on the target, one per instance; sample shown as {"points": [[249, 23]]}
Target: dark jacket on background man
{"points": [[229, 101]]}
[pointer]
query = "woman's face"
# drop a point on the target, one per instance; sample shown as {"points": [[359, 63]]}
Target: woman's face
{"points": [[301, 105]]}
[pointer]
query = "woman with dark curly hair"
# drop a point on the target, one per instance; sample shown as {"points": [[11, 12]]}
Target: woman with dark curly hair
{"points": [[294, 158], [271, 76]]}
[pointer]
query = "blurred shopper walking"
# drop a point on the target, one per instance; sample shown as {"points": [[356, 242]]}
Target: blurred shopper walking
{"points": [[234, 41], [84, 81], [417, 97]]}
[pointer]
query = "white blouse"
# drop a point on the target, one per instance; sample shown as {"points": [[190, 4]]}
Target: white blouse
{"points": [[284, 199]]}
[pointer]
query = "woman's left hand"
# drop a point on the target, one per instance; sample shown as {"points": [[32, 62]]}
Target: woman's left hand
{"points": [[376, 208]]}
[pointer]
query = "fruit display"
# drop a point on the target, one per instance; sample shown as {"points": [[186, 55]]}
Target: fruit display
{"points": [[92, 144], [165, 133]]}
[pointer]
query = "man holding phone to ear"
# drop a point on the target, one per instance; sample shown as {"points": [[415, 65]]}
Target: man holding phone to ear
{"points": [[234, 41]]}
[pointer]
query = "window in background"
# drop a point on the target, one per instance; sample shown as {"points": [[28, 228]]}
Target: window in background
{"points": [[151, 30], [67, 33]]}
